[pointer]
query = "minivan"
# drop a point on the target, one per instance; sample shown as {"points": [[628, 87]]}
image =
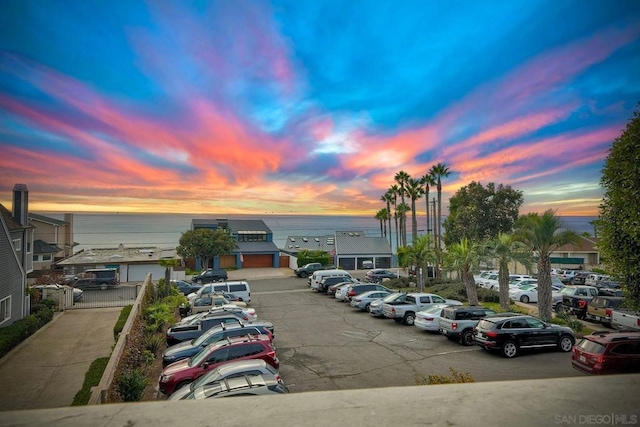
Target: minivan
{"points": [[317, 276], [239, 288]]}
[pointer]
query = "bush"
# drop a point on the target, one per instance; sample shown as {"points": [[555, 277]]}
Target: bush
{"points": [[42, 312], [131, 385], [488, 295], [157, 315], [119, 326], [17, 332], [455, 378], [91, 379], [48, 303], [154, 342]]}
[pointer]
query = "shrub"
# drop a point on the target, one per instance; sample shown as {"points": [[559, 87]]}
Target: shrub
{"points": [[488, 295], [131, 385], [157, 315], [124, 315], [17, 332], [43, 313], [558, 321], [455, 378], [576, 325], [91, 379], [153, 342]]}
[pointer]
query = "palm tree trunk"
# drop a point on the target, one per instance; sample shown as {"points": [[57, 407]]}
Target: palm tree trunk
{"points": [[544, 288], [395, 216], [470, 287], [414, 221], [426, 202], [439, 212], [503, 281]]}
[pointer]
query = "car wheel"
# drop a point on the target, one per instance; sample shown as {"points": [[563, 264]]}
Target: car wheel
{"points": [[566, 343], [559, 308], [509, 349], [367, 308], [606, 324], [103, 286], [524, 299], [580, 316], [467, 337], [409, 318], [182, 384], [304, 274]]}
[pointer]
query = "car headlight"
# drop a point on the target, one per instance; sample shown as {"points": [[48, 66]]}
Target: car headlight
{"points": [[165, 378]]}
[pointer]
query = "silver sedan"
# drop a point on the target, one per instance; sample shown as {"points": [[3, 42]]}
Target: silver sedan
{"points": [[363, 300]]}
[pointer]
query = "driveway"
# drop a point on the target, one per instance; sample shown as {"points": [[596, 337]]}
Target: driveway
{"points": [[47, 370]]}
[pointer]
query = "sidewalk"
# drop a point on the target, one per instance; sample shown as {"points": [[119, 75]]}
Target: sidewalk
{"points": [[48, 368]]}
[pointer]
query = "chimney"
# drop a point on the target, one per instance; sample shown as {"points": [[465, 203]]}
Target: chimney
{"points": [[21, 204]]}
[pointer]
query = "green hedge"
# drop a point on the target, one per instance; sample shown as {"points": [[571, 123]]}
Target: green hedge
{"points": [[91, 379], [124, 315], [20, 330]]}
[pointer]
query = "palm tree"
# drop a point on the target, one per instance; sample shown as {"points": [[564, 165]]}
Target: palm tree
{"points": [[402, 178], [394, 190], [414, 191], [428, 180], [438, 172], [543, 234], [168, 264], [505, 249], [420, 254], [388, 198], [381, 216], [464, 257], [402, 210]]}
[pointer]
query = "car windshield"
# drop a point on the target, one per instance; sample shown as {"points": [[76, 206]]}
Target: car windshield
{"points": [[211, 334], [393, 297], [433, 310], [567, 291], [527, 287], [206, 379], [198, 358], [591, 346]]}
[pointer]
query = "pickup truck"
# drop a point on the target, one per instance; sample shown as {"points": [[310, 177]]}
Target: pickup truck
{"points": [[308, 269], [404, 310], [575, 299], [622, 319], [458, 322], [600, 308]]}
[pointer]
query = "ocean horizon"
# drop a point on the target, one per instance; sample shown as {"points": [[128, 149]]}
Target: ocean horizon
{"points": [[108, 230]]}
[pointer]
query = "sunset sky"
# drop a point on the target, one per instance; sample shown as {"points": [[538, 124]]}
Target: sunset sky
{"points": [[309, 107]]}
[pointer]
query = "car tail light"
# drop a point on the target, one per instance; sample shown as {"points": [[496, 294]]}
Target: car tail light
{"points": [[430, 319], [454, 326], [246, 318], [272, 354], [607, 312], [491, 334], [352, 293], [582, 304], [393, 310]]}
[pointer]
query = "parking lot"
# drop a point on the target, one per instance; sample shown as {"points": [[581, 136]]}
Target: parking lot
{"points": [[324, 344]]}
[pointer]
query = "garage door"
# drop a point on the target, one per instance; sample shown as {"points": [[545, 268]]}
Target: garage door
{"points": [[137, 272], [258, 261]]}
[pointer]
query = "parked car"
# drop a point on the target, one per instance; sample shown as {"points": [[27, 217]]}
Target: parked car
{"points": [[378, 274], [457, 322], [331, 290], [225, 371], [185, 287], [525, 294], [357, 288], [375, 308], [196, 327], [210, 275], [96, 278], [367, 265], [308, 269], [186, 349], [240, 386], [427, 320], [580, 278], [607, 353], [404, 311], [364, 300], [324, 284], [210, 301], [510, 334], [239, 288], [185, 371], [600, 308], [243, 313]]}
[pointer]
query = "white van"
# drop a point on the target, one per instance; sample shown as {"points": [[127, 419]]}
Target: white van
{"points": [[239, 288], [317, 276]]}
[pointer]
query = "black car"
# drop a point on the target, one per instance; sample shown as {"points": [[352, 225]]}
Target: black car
{"points": [[510, 334], [332, 280], [377, 274], [187, 349], [196, 327], [185, 287], [210, 276], [580, 278]]}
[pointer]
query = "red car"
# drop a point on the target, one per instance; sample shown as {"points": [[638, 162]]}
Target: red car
{"points": [[185, 371], [607, 353]]}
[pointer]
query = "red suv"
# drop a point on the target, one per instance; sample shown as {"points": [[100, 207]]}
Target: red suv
{"points": [[607, 353], [185, 371]]}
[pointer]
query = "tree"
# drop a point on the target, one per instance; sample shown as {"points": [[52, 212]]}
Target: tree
{"points": [[205, 244], [402, 210], [438, 172], [543, 234], [402, 178], [168, 264], [464, 257], [394, 190], [381, 216], [414, 191], [619, 222], [420, 254], [481, 213], [428, 181], [505, 249], [388, 198]]}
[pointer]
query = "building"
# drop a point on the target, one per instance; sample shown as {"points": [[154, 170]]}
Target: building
{"points": [[349, 249], [133, 264], [16, 257], [53, 239], [583, 256], [254, 243]]}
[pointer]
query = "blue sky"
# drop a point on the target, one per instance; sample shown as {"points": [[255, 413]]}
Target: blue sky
{"points": [[309, 107]]}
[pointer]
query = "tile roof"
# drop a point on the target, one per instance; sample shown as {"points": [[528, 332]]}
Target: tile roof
{"points": [[42, 247], [12, 224], [587, 244]]}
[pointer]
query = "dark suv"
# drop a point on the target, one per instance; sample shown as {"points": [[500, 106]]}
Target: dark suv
{"points": [[332, 280], [608, 353], [457, 322], [580, 278], [210, 276], [509, 334], [96, 278]]}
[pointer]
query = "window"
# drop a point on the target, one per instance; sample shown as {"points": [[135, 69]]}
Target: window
{"points": [[17, 245], [5, 309], [425, 300], [46, 257], [535, 323], [437, 299]]}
